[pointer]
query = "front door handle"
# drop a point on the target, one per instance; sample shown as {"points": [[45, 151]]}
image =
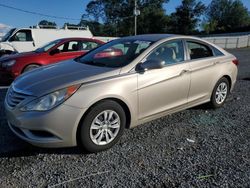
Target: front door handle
{"points": [[184, 71]]}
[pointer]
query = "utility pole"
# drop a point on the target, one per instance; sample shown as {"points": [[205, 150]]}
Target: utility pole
{"points": [[136, 13]]}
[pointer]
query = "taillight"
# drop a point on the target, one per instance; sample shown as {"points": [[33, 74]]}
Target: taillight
{"points": [[236, 62]]}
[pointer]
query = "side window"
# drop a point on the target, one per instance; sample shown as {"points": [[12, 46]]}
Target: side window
{"points": [[71, 46], [171, 52], [22, 36], [197, 50], [88, 45], [61, 47]]}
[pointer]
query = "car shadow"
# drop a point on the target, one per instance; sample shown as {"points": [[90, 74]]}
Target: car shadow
{"points": [[12, 146], [201, 107], [30, 150]]}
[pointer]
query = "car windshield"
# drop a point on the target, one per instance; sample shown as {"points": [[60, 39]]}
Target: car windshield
{"points": [[7, 35], [116, 53], [47, 46]]}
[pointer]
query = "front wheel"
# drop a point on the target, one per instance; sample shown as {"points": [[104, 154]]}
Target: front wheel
{"points": [[102, 126], [220, 93]]}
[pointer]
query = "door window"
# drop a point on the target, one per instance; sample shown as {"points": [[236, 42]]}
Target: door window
{"points": [[22, 36], [71, 46], [197, 50], [171, 52]]}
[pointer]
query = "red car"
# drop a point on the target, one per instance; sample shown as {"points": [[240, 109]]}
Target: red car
{"points": [[53, 52]]}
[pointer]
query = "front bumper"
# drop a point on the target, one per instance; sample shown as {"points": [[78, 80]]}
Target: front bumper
{"points": [[6, 78], [55, 128]]}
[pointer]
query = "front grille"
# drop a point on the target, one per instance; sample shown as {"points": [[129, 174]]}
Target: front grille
{"points": [[14, 97]]}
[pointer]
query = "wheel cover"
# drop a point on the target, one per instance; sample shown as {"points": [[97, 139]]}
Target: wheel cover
{"points": [[221, 93], [105, 127]]}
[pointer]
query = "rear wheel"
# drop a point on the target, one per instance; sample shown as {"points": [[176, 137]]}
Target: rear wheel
{"points": [[220, 93], [102, 127], [30, 68]]}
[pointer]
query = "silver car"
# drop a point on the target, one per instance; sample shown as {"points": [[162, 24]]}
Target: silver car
{"points": [[90, 100]]}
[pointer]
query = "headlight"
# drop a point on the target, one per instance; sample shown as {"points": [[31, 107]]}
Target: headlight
{"points": [[9, 63], [51, 100]]}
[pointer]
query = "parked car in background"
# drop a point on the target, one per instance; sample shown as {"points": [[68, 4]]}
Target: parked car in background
{"points": [[53, 52], [29, 39], [90, 100]]}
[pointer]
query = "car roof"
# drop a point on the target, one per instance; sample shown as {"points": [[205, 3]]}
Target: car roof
{"points": [[151, 37], [80, 38]]}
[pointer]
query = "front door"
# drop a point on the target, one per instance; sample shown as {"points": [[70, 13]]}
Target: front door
{"points": [[167, 88], [67, 50]]}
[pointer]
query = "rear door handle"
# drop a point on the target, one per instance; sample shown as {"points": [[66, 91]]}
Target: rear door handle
{"points": [[217, 62]]}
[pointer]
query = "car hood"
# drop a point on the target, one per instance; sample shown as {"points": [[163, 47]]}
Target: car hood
{"points": [[57, 76], [19, 55]]}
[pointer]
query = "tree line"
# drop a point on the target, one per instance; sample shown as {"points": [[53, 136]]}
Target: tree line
{"points": [[115, 17]]}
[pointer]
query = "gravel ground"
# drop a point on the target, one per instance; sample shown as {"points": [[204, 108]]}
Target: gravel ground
{"points": [[198, 147]]}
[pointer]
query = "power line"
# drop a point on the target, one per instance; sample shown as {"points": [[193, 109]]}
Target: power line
{"points": [[39, 14]]}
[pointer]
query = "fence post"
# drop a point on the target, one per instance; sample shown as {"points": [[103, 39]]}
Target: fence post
{"points": [[248, 42], [226, 43], [237, 44]]}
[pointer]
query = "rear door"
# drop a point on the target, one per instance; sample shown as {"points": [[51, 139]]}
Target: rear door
{"points": [[167, 88], [203, 68]]}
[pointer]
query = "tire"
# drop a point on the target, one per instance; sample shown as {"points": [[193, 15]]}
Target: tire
{"points": [[91, 138], [220, 93], [31, 67]]}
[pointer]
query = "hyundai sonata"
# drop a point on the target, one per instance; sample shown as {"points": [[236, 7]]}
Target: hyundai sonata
{"points": [[90, 100]]}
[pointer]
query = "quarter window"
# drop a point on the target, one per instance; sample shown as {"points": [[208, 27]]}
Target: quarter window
{"points": [[197, 50], [171, 52], [217, 52]]}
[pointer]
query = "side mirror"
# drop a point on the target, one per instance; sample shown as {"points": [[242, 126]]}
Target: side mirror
{"points": [[150, 64], [54, 51]]}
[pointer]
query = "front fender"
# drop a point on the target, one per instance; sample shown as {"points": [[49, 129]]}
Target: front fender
{"points": [[123, 88]]}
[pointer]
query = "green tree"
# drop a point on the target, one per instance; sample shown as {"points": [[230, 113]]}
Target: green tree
{"points": [[118, 20], [95, 27], [47, 23], [187, 16], [229, 14], [209, 26]]}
